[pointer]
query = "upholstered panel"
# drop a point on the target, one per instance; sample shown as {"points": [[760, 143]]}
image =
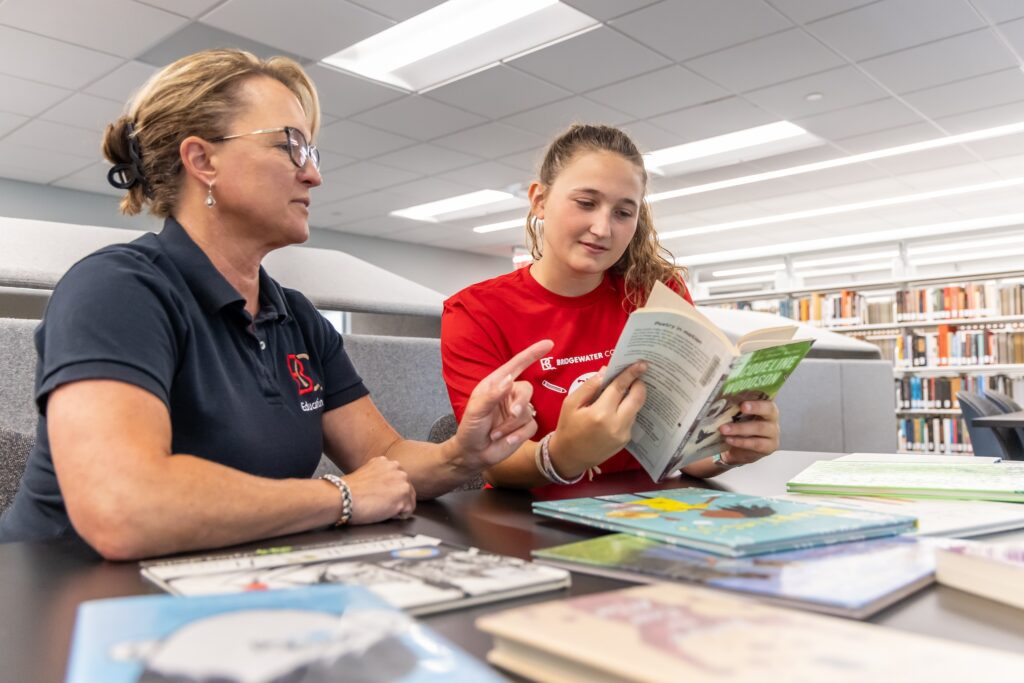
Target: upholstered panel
{"points": [[14, 450], [810, 407], [869, 405], [17, 375]]}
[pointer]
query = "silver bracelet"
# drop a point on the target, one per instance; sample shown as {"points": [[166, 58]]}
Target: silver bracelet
{"points": [[718, 461], [346, 498], [542, 458]]}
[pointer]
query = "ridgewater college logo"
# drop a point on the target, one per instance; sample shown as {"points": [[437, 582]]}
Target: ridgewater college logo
{"points": [[298, 373]]}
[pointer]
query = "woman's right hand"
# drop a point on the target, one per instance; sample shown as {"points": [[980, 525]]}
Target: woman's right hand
{"points": [[594, 425], [380, 490]]}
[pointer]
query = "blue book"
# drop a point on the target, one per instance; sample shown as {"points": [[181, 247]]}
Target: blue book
{"points": [[320, 633], [724, 523]]}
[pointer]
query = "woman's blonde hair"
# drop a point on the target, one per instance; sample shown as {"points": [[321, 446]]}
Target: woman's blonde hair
{"points": [[197, 95], [645, 260]]}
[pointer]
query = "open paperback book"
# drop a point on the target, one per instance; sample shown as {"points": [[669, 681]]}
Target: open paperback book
{"points": [[853, 580], [317, 633], [419, 574], [696, 378], [674, 632]]}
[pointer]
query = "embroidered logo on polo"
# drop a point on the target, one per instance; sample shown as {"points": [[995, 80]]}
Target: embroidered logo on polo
{"points": [[303, 381]]}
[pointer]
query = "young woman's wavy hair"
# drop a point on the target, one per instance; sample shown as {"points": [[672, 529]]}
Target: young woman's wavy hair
{"points": [[645, 260], [196, 95]]}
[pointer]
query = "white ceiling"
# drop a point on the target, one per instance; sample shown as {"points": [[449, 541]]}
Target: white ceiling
{"points": [[890, 72]]}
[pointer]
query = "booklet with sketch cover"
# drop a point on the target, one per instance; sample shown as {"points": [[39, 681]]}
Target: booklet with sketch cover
{"points": [[724, 523], [853, 580], [696, 378], [419, 574], [675, 632], [317, 633]]}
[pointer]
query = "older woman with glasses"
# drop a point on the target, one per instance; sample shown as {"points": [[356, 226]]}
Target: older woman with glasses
{"points": [[186, 397]]}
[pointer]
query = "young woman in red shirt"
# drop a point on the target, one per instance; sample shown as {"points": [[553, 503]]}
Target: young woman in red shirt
{"points": [[596, 257]]}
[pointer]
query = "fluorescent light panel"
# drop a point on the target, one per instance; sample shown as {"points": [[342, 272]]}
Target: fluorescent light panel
{"points": [[739, 281], [749, 270], [433, 211], [457, 38], [852, 258], [731, 148], [503, 225], [848, 270]]}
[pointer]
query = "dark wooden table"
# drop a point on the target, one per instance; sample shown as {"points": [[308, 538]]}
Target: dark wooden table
{"points": [[1015, 419], [42, 584]]}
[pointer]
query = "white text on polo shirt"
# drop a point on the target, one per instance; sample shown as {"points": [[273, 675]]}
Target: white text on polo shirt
{"points": [[310, 407]]}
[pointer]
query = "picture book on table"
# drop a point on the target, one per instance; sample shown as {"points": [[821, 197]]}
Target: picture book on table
{"points": [[854, 579], [420, 574], [317, 633], [725, 523], [675, 632], [696, 378]]}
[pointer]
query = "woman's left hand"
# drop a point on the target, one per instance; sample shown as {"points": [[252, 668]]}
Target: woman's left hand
{"points": [[498, 417], [753, 437]]}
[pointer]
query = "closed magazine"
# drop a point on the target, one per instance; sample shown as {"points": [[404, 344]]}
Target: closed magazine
{"points": [[853, 580], [696, 378], [419, 574], [1000, 481], [318, 633], [724, 523]]}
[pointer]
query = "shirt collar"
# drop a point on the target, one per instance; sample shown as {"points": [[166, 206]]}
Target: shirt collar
{"points": [[209, 287]]}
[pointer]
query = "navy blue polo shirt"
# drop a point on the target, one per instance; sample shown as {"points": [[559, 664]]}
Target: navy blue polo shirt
{"points": [[243, 392]]}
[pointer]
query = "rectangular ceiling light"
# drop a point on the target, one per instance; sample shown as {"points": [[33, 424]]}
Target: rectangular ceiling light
{"points": [[976, 256], [1017, 239], [851, 258], [732, 148], [461, 206], [458, 38], [749, 270], [848, 270], [503, 225]]}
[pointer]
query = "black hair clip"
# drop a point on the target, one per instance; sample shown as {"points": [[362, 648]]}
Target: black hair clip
{"points": [[125, 176]]}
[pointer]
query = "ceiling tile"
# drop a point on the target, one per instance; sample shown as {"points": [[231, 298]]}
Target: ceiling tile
{"points": [[528, 161], [489, 174], [863, 118], [970, 94], [120, 83], [399, 10], [359, 141], [27, 97], [892, 25], [92, 178], [428, 190], [85, 111], [658, 92], [363, 205], [802, 11], [603, 10], [998, 11], [497, 92], [418, 117], [371, 176], [333, 189], [338, 24], [98, 24], [196, 37], [330, 160], [715, 118], [342, 94], [940, 62], [34, 165], [551, 119], [925, 161], [57, 137], [951, 176], [428, 159], [839, 88], [491, 140], [9, 122], [591, 60], [186, 8], [683, 30], [998, 148], [378, 226], [773, 59], [893, 137], [983, 118], [648, 137], [52, 61]]}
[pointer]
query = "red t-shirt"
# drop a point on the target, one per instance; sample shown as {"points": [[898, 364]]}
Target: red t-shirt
{"points": [[486, 324]]}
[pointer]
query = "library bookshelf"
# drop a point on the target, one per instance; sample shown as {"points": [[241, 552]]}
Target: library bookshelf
{"points": [[942, 335]]}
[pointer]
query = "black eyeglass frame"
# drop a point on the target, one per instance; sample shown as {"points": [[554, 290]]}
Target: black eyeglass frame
{"points": [[298, 152]]}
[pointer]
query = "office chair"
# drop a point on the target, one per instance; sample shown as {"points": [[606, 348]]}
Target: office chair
{"points": [[1007, 405], [1000, 442], [443, 429], [14, 450]]}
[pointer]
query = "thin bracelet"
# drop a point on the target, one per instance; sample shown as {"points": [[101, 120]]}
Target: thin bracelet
{"points": [[542, 458], [718, 461], [346, 498]]}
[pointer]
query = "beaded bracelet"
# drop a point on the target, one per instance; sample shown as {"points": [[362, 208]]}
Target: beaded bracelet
{"points": [[346, 498], [542, 458]]}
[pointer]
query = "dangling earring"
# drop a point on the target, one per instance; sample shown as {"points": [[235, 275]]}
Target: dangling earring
{"points": [[210, 201]]}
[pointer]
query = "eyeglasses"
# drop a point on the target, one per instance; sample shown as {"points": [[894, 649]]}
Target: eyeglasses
{"points": [[299, 151]]}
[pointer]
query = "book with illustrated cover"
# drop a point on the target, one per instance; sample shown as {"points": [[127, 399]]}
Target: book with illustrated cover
{"points": [[317, 633], [419, 574], [672, 631], [991, 570], [1000, 481], [853, 580], [725, 523], [696, 378]]}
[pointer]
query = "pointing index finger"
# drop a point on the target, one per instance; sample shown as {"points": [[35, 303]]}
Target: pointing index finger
{"points": [[524, 359]]}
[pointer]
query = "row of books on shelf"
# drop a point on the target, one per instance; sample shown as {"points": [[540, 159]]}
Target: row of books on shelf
{"points": [[816, 548], [940, 393], [936, 434], [953, 345]]}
